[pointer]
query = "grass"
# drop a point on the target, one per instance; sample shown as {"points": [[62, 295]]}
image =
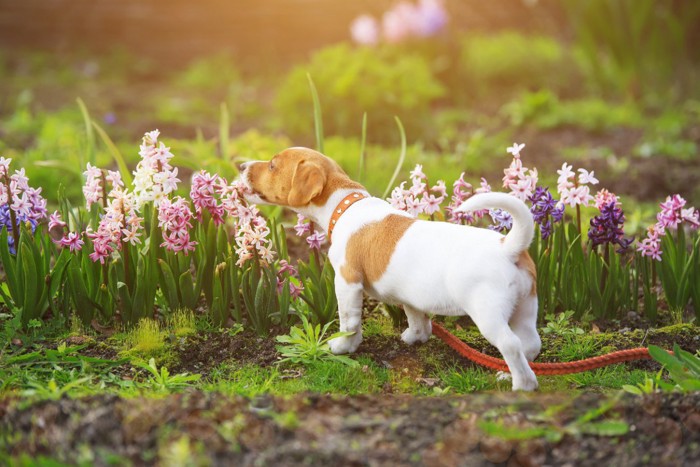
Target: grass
{"points": [[38, 372]]}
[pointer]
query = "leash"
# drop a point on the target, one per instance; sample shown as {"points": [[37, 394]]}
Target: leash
{"points": [[565, 368]]}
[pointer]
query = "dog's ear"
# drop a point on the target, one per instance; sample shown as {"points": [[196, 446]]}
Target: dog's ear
{"points": [[307, 183]]}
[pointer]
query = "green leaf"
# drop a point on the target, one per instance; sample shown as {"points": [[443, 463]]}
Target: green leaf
{"points": [[168, 285], [399, 163], [605, 428], [318, 116], [115, 153]]}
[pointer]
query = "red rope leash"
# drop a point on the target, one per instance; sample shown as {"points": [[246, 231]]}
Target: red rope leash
{"points": [[540, 368]]}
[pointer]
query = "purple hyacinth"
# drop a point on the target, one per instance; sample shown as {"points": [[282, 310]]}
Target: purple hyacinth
{"points": [[6, 222], [502, 220], [545, 211], [607, 228]]}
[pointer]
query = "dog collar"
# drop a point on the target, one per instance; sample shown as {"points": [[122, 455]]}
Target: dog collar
{"points": [[343, 206]]}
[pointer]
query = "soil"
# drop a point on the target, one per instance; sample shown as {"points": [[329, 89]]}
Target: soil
{"points": [[310, 429], [202, 353]]}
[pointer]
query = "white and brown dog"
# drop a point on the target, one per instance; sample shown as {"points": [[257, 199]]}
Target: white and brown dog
{"points": [[429, 267]]}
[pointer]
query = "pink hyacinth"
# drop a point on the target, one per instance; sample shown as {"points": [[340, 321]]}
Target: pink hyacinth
{"points": [[418, 199], [670, 216], [461, 191], [174, 219], [285, 274], [302, 227], [93, 189], [73, 241], [520, 180], [120, 224], [604, 197], [203, 190], [315, 240], [651, 246]]}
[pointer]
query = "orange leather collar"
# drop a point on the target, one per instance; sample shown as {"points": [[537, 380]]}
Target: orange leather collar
{"points": [[343, 206]]}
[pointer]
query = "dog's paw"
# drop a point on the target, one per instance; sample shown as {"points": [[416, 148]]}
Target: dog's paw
{"points": [[416, 335], [525, 384], [345, 344]]}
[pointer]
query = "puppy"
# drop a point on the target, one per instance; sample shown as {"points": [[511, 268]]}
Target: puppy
{"points": [[429, 267]]}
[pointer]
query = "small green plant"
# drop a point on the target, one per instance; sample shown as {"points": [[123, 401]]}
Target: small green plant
{"points": [[147, 339], [683, 369], [51, 389], [309, 344], [560, 325], [182, 323], [648, 386], [161, 380]]}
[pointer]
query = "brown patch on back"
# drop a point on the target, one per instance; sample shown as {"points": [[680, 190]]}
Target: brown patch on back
{"points": [[526, 263], [370, 249]]}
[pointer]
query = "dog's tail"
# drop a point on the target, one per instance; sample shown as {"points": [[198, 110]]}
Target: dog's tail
{"points": [[520, 236]]}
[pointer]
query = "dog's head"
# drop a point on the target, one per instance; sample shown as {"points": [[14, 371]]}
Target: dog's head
{"points": [[296, 177]]}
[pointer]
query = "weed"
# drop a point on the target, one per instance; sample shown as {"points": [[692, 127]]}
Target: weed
{"points": [[146, 340], [163, 381], [182, 323], [561, 324], [683, 369], [310, 344]]}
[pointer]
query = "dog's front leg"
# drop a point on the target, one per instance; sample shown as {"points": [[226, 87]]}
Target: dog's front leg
{"points": [[350, 312]]}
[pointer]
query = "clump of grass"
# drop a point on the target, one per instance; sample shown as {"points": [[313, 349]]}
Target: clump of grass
{"points": [[146, 340], [466, 381], [182, 323]]}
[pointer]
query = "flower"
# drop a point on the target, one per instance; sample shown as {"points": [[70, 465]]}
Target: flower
{"points": [[73, 241], [430, 204], [607, 228], [417, 173], [174, 219], [154, 177], [431, 17], [515, 150], [586, 178], [671, 212], [315, 240], [93, 189], [204, 186], [651, 246], [565, 175], [55, 220], [520, 180], [604, 197], [364, 30], [545, 210], [503, 221], [302, 227]]}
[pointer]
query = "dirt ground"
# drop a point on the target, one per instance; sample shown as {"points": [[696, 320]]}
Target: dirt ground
{"points": [[311, 429]]}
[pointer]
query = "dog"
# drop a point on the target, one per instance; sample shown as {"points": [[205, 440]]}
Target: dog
{"points": [[428, 267]]}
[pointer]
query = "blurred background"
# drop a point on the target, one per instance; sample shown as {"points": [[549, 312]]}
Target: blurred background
{"points": [[608, 85]]}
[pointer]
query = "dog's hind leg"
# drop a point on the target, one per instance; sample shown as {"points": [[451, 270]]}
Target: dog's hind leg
{"points": [[419, 327], [524, 325], [349, 297], [486, 310]]}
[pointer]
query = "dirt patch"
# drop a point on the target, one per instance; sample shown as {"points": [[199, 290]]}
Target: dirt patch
{"points": [[202, 353], [663, 429]]}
